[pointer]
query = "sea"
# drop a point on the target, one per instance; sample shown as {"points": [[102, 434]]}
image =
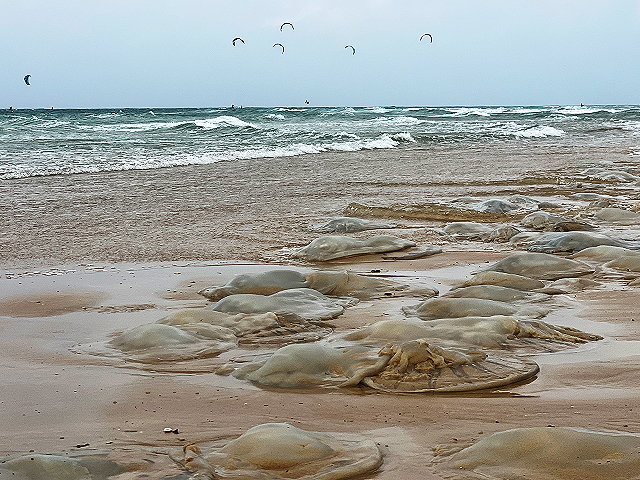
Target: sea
{"points": [[157, 184], [63, 142]]}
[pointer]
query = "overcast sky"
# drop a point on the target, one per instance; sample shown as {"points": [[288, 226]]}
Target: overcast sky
{"points": [[160, 53]]}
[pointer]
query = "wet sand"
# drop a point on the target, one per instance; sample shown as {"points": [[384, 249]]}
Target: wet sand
{"points": [[251, 210], [181, 229], [54, 399]]}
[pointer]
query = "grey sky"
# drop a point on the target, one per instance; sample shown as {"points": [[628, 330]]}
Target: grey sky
{"points": [[159, 53]]}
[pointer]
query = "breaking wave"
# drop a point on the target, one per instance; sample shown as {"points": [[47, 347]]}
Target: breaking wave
{"points": [[52, 142]]}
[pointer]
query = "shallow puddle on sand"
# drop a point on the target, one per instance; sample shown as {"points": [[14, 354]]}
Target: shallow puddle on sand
{"points": [[605, 350]]}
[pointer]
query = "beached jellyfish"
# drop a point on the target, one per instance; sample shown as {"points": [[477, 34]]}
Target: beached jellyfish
{"points": [[280, 450], [551, 452]]}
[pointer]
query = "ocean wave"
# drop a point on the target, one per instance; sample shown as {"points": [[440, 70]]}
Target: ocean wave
{"points": [[82, 165], [476, 111], [342, 111], [207, 124], [527, 110], [586, 110], [380, 110], [539, 132], [404, 137], [131, 127], [401, 120], [45, 142], [223, 120], [344, 134]]}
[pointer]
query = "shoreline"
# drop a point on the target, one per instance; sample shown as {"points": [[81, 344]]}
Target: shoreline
{"points": [[254, 209]]}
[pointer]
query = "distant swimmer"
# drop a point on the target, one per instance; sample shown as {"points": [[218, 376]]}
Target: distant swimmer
{"points": [[427, 35], [280, 46], [351, 47], [26, 79], [287, 23], [237, 38], [11, 109]]}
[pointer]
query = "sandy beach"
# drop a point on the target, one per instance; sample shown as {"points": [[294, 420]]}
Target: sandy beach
{"points": [[57, 401], [76, 273]]}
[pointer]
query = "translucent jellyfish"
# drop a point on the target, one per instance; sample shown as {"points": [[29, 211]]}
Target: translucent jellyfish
{"points": [[304, 302], [279, 450], [326, 282], [604, 253], [310, 364], [618, 216], [451, 307], [155, 342], [541, 266], [334, 246], [510, 280], [540, 220], [495, 205], [264, 283], [56, 467], [349, 225], [547, 453], [468, 230], [555, 242], [416, 366], [495, 332], [489, 292]]}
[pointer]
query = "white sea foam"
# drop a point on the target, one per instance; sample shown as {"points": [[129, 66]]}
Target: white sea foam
{"points": [[277, 116], [581, 110], [131, 127], [403, 136], [477, 111], [223, 120], [347, 135], [523, 110], [539, 132], [401, 120]]}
